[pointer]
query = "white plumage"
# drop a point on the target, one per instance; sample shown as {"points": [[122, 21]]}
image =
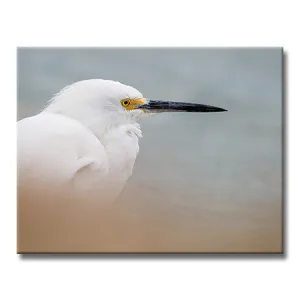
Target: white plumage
{"points": [[85, 142]]}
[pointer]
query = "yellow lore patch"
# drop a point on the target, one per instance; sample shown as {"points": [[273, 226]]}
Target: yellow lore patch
{"points": [[131, 104]]}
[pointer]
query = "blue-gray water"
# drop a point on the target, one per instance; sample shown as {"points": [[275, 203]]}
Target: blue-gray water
{"points": [[214, 180]]}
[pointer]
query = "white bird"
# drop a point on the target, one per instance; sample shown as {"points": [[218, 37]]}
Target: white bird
{"points": [[85, 142]]}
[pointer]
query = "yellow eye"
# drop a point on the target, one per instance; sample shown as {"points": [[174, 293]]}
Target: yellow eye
{"points": [[125, 102]]}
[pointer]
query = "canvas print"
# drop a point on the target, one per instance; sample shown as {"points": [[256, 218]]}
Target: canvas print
{"points": [[150, 150]]}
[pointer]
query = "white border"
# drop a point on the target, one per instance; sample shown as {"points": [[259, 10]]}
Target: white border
{"points": [[146, 23]]}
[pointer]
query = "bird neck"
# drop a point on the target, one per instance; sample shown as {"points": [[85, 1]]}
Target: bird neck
{"points": [[111, 127], [121, 144]]}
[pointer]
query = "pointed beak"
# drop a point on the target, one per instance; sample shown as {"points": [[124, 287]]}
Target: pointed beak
{"points": [[157, 106]]}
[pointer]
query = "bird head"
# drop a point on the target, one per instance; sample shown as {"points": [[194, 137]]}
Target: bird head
{"points": [[108, 95], [91, 101]]}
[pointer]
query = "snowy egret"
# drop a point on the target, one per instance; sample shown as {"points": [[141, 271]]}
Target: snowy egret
{"points": [[85, 142]]}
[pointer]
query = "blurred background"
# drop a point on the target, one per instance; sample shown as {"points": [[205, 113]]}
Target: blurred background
{"points": [[202, 182]]}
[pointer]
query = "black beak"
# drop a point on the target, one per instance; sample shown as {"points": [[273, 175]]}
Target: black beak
{"points": [[168, 106]]}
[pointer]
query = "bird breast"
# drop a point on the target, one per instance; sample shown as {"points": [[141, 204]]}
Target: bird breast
{"points": [[121, 145]]}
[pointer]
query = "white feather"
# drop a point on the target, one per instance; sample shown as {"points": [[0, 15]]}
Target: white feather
{"points": [[84, 144]]}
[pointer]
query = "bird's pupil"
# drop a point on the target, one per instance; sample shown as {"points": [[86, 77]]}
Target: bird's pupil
{"points": [[125, 102]]}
